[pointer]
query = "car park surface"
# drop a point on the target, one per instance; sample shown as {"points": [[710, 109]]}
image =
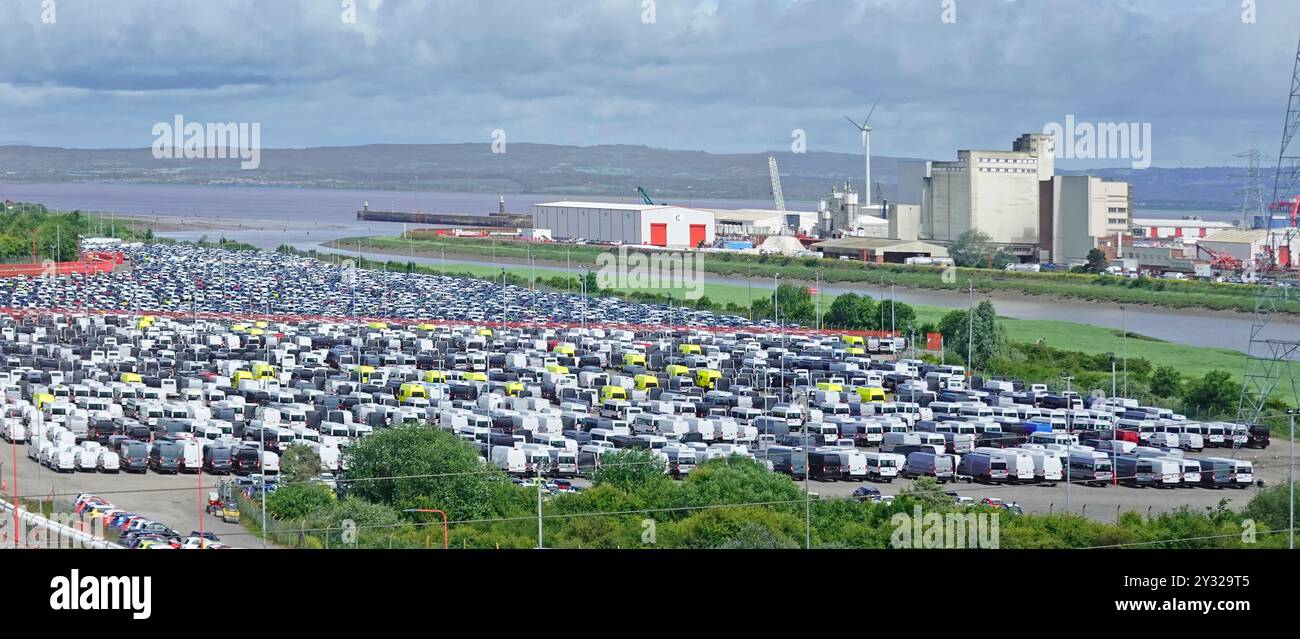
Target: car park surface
{"points": [[195, 350]]}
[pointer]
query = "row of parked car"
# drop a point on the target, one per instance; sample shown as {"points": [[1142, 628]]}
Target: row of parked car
{"points": [[136, 531]]}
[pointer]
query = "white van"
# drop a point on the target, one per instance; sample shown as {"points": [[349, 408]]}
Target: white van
{"points": [[883, 466], [512, 460], [270, 463], [855, 466], [1047, 465], [191, 458], [108, 461], [1021, 466]]}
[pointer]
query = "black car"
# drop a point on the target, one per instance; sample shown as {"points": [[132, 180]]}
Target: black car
{"points": [[863, 493], [1257, 437]]}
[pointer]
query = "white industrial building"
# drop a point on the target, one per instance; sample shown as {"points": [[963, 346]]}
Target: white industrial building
{"points": [[610, 222], [747, 222], [1084, 209], [995, 192]]}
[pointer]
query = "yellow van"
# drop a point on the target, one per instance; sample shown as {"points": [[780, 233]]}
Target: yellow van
{"points": [[558, 369], [238, 328], [856, 340], [363, 372], [145, 322], [485, 332], [42, 400], [434, 377], [871, 394], [407, 391], [237, 377], [644, 382], [634, 359], [261, 324], [830, 387], [475, 377], [427, 327], [856, 350], [379, 326], [564, 349], [263, 371], [677, 370], [689, 349], [128, 378], [612, 392], [514, 388], [707, 378]]}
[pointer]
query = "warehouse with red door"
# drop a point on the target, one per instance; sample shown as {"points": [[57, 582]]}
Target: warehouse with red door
{"points": [[633, 224]]}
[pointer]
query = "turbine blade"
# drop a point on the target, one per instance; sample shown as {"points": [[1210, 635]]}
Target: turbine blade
{"points": [[852, 122], [873, 110]]}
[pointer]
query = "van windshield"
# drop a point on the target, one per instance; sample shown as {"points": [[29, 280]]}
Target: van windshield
{"points": [[998, 465]]}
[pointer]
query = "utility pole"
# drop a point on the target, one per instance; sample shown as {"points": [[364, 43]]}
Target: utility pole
{"points": [[1123, 323], [970, 331], [538, 477], [1065, 375], [1291, 413]]}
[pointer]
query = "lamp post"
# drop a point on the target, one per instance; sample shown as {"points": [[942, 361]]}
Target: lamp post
{"points": [[1123, 323], [1112, 373], [1291, 413], [1065, 375], [433, 510]]}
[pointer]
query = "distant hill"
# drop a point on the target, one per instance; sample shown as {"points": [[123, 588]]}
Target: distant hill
{"points": [[608, 170]]}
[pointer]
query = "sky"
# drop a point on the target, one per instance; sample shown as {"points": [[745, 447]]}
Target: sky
{"points": [[711, 75]]}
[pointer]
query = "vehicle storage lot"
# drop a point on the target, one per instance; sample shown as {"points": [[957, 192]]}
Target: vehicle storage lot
{"points": [[174, 500], [542, 393]]}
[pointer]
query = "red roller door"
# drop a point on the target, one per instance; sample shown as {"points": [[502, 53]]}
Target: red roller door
{"points": [[659, 234], [698, 234]]}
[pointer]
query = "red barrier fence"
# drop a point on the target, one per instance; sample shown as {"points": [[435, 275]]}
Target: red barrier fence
{"points": [[91, 263]]}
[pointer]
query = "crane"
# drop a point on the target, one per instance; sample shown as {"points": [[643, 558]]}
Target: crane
{"points": [[776, 184], [645, 197]]}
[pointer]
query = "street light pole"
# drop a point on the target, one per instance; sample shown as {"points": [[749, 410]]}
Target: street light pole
{"points": [[1065, 375], [1291, 413], [807, 496], [1123, 322]]}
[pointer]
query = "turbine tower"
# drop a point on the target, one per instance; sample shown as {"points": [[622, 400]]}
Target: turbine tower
{"points": [[865, 128]]}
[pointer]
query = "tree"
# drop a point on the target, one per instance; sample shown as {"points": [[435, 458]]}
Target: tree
{"points": [[843, 312], [928, 493], [1269, 506], [299, 463], [631, 469], [983, 334], [1213, 394], [419, 467], [299, 500], [1097, 262], [796, 304], [891, 316], [1166, 381]]}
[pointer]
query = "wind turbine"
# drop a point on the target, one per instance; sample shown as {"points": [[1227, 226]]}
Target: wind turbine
{"points": [[865, 128]]}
